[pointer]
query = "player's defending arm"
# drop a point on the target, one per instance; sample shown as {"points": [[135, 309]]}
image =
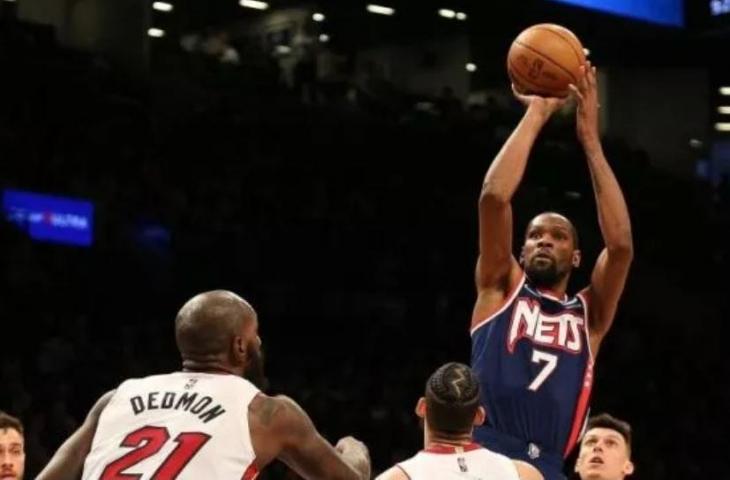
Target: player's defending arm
{"points": [[281, 429], [612, 267], [68, 461], [497, 270]]}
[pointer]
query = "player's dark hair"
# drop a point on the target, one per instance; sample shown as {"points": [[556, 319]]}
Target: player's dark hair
{"points": [[604, 420], [8, 421], [452, 399]]}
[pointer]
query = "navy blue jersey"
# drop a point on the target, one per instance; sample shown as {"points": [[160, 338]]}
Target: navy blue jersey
{"points": [[535, 368]]}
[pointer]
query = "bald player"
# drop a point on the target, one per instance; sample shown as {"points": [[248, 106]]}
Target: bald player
{"points": [[206, 421], [533, 346]]}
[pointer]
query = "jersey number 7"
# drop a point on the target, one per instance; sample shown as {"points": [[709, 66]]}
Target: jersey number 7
{"points": [[551, 361]]}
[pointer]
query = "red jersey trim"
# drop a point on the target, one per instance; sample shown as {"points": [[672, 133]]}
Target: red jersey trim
{"points": [[442, 448], [251, 473], [581, 409]]}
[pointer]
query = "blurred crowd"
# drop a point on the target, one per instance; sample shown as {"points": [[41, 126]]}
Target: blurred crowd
{"points": [[347, 217]]}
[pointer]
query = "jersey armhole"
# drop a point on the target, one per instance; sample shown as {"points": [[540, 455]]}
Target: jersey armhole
{"points": [[506, 303], [585, 300]]}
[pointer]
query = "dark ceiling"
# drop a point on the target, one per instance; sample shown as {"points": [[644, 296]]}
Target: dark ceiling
{"points": [[491, 25]]}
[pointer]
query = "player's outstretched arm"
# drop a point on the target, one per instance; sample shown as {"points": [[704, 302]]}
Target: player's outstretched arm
{"points": [[612, 267], [68, 461], [282, 429], [497, 269]]}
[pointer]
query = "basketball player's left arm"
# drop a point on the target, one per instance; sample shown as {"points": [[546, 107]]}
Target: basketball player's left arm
{"points": [[612, 267], [68, 461]]}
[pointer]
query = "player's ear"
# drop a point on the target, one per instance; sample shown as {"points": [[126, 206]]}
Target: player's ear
{"points": [[239, 347], [628, 467], [575, 261], [480, 416], [421, 407]]}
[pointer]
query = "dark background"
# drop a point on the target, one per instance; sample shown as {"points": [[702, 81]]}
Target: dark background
{"points": [[346, 216]]}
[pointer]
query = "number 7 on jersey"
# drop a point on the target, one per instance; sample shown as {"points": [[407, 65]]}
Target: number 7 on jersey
{"points": [[551, 361]]}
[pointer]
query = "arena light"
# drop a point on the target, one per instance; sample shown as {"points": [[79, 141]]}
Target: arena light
{"points": [[283, 49], [156, 32], [324, 38], [380, 9], [446, 13], [255, 4], [724, 90], [461, 16], [162, 6], [471, 67], [318, 17], [722, 126], [724, 110]]}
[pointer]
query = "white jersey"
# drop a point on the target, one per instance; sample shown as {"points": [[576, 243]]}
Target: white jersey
{"points": [[471, 462], [179, 426]]}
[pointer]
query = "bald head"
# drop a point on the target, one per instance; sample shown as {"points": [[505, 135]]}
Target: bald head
{"points": [[207, 324]]}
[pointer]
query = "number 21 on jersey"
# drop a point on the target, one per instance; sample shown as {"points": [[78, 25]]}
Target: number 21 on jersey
{"points": [[146, 442]]}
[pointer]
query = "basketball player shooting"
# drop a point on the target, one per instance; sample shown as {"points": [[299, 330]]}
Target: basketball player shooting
{"points": [[533, 346], [205, 421]]}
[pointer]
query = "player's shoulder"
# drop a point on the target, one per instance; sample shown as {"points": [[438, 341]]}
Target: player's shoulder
{"points": [[501, 462], [134, 382], [393, 473], [492, 302], [275, 411], [525, 471]]}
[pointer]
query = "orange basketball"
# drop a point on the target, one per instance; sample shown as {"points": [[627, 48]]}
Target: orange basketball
{"points": [[544, 59]]}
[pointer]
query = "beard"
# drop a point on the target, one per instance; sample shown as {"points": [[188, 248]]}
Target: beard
{"points": [[255, 370], [543, 273]]}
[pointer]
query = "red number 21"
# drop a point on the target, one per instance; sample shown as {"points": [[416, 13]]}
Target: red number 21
{"points": [[147, 441]]}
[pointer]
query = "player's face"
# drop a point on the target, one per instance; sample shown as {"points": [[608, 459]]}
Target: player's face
{"points": [[549, 251], [603, 456], [12, 454]]}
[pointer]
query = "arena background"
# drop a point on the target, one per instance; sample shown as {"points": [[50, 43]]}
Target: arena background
{"points": [[323, 170]]}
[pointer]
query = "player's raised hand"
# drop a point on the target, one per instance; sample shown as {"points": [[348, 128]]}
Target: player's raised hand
{"points": [[586, 94], [545, 105]]}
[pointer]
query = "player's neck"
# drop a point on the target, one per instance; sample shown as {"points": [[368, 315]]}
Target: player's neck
{"points": [[557, 290], [448, 441], [207, 367], [553, 291]]}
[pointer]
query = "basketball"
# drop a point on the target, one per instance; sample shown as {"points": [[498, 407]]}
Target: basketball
{"points": [[544, 59]]}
